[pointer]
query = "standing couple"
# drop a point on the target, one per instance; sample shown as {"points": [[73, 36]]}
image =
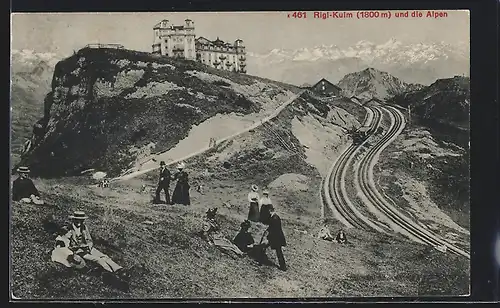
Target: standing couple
{"points": [[259, 208], [181, 191], [262, 210]]}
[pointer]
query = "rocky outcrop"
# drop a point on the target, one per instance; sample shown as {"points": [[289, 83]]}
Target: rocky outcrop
{"points": [[444, 106], [106, 103], [372, 83]]}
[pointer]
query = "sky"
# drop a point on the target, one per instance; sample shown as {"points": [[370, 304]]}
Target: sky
{"points": [[62, 33]]}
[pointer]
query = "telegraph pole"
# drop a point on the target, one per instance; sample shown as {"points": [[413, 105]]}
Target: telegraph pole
{"points": [[409, 114]]}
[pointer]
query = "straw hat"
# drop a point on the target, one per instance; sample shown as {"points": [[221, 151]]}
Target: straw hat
{"points": [[181, 166], [23, 169], [255, 187], [76, 261], [265, 192], [78, 215]]}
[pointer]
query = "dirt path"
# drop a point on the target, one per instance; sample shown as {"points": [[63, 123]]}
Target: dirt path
{"points": [[206, 148]]}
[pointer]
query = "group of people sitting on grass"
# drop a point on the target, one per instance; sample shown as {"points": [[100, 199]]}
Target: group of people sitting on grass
{"points": [[244, 243], [75, 246], [261, 211], [324, 234]]}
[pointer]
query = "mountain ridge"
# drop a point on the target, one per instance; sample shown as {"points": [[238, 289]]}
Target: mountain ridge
{"points": [[372, 83], [106, 105], [414, 63]]}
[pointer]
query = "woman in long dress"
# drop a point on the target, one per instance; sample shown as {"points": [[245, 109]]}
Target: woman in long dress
{"points": [[265, 207], [253, 199], [181, 191]]}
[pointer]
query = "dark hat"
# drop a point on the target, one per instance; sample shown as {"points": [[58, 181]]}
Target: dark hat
{"points": [[212, 211], [245, 224], [23, 169], [162, 163], [78, 215]]}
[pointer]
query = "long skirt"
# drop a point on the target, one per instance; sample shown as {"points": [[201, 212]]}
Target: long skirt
{"points": [[181, 194], [253, 212], [265, 213]]}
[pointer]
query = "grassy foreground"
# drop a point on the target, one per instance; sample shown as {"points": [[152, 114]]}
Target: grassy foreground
{"points": [[169, 260]]}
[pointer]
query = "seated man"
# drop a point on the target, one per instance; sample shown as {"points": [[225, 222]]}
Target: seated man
{"points": [[324, 233], [211, 233], [80, 243], [23, 188], [341, 238]]}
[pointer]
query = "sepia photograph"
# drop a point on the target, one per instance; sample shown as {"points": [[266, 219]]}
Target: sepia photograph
{"points": [[231, 155]]}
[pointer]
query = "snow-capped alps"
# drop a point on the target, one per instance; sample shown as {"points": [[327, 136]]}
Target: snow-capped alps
{"points": [[415, 63], [26, 59]]}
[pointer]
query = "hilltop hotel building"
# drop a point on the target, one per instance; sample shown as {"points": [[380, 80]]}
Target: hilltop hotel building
{"points": [[179, 42]]}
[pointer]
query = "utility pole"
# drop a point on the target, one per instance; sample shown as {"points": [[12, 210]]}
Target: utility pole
{"points": [[409, 114]]}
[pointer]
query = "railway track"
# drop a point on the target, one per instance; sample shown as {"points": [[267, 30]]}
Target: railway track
{"points": [[380, 204], [334, 194], [333, 191]]}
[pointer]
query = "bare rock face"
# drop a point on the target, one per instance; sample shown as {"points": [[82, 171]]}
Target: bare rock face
{"points": [[372, 83], [106, 102], [444, 107]]}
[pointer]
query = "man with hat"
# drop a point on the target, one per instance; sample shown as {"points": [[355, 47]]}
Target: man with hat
{"points": [[275, 237], [23, 188], [163, 184], [79, 241]]}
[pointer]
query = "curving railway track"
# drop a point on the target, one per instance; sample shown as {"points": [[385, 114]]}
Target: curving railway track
{"points": [[334, 193]]}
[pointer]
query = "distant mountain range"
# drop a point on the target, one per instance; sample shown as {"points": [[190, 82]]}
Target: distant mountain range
{"points": [[31, 77], [421, 63]]}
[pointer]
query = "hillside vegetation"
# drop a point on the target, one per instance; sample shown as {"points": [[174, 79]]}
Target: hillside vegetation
{"points": [[443, 106], [107, 103], [168, 259]]}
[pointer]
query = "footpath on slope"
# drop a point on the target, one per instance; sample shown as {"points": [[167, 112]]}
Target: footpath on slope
{"points": [[170, 156]]}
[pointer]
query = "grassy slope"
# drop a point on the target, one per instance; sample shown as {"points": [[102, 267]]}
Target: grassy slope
{"points": [[449, 189], [168, 259], [82, 141]]}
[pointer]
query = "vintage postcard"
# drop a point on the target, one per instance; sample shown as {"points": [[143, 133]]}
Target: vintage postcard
{"points": [[228, 155]]}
